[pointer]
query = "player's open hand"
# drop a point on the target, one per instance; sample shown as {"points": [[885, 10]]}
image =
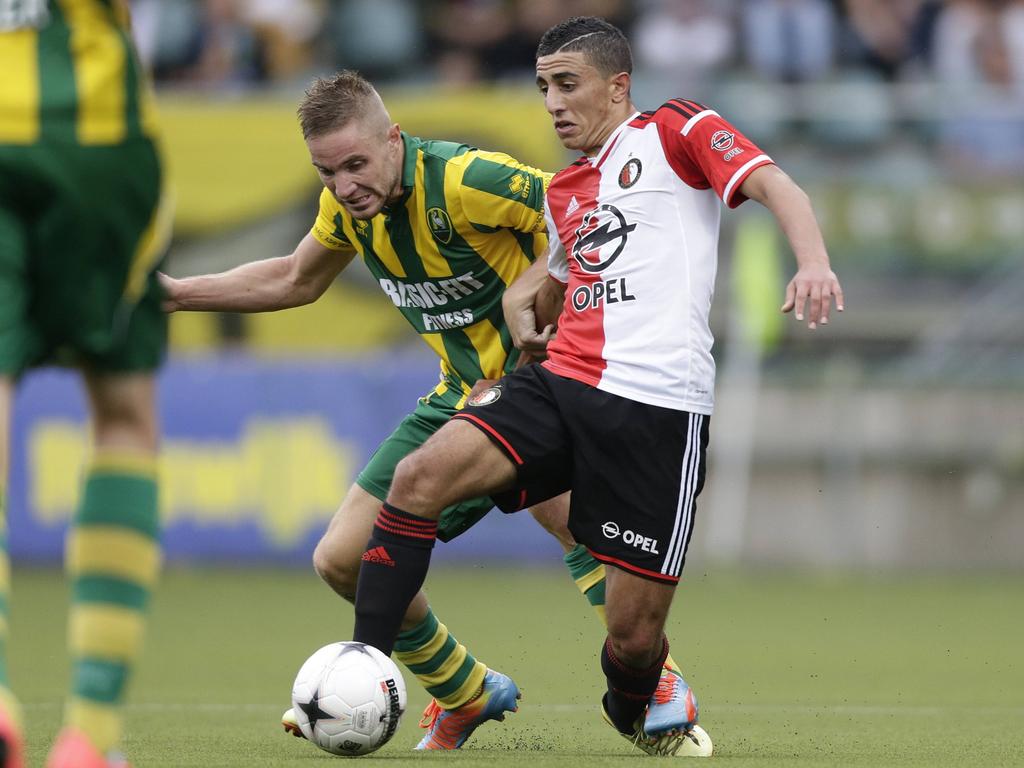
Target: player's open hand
{"points": [[819, 285]]}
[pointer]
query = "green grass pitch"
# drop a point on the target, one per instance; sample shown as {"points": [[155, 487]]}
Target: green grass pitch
{"points": [[790, 669]]}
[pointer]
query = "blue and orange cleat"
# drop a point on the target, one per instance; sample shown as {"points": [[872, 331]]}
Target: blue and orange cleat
{"points": [[673, 707], [449, 728], [12, 748], [74, 750]]}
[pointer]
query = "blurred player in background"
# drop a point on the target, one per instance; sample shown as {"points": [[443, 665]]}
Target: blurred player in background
{"points": [[619, 412], [83, 223], [444, 228]]}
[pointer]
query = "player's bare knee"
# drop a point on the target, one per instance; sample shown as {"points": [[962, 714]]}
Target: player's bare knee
{"points": [[636, 644], [414, 486], [123, 411], [553, 515], [339, 575], [560, 531]]}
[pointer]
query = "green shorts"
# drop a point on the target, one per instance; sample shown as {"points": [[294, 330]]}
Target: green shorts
{"points": [[82, 230], [432, 413]]}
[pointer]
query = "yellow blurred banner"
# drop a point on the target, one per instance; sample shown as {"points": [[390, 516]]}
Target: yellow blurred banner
{"points": [[233, 161]]}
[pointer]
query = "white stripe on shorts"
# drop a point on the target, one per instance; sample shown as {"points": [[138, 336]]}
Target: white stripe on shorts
{"points": [[690, 475]]}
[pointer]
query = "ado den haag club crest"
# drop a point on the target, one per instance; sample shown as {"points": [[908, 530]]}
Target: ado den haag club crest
{"points": [[440, 225]]}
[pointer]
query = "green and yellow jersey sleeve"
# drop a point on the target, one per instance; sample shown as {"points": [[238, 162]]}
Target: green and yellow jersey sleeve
{"points": [[328, 229], [498, 191]]}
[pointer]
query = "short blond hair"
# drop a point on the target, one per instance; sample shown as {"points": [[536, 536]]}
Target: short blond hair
{"points": [[332, 102]]}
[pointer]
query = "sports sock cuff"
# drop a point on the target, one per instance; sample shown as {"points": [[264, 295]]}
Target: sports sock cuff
{"points": [[417, 637], [588, 574], [579, 561], [393, 524], [636, 672]]}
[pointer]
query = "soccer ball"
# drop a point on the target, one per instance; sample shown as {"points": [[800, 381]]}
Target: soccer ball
{"points": [[348, 698]]}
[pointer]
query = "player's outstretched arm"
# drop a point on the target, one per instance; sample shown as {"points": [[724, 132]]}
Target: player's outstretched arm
{"points": [[531, 305], [814, 280], [260, 286]]}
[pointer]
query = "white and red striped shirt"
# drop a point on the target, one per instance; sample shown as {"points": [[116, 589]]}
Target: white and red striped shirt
{"points": [[634, 235]]}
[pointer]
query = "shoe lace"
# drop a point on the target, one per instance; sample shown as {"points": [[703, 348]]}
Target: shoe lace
{"points": [[666, 689], [664, 746], [446, 730], [430, 714]]}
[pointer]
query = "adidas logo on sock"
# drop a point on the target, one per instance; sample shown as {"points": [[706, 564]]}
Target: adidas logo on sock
{"points": [[378, 555]]}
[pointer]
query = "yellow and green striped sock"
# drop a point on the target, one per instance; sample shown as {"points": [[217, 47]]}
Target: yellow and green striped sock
{"points": [[440, 662], [588, 574], [113, 558]]}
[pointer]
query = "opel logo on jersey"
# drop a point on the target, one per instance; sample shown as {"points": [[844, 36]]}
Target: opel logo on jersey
{"points": [[630, 173], [600, 238], [722, 140], [440, 225], [610, 530]]}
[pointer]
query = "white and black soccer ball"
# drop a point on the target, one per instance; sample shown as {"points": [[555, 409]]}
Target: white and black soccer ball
{"points": [[349, 698]]}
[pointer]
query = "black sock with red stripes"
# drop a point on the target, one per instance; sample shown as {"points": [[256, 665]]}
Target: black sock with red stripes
{"points": [[394, 566], [629, 689]]}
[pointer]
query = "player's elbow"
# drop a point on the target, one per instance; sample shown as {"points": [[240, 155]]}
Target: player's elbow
{"points": [[301, 287]]}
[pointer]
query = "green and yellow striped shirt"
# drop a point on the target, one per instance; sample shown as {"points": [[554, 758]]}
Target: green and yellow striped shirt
{"points": [[469, 224], [69, 73]]}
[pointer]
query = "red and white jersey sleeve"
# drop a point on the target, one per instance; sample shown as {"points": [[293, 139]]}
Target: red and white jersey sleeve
{"points": [[634, 234]]}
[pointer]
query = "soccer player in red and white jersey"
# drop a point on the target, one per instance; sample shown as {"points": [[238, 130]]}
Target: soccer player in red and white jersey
{"points": [[619, 412]]}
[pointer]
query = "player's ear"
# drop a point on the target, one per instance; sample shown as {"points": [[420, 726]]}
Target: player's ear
{"points": [[394, 134], [618, 87]]}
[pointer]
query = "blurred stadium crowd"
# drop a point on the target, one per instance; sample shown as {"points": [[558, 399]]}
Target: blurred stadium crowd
{"points": [[228, 42], [970, 49]]}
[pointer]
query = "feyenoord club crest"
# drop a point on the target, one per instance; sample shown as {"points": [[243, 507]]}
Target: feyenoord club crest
{"points": [[630, 173], [486, 397]]}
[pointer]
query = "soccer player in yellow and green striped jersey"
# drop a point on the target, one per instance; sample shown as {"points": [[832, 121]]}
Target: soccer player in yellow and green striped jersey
{"points": [[444, 228], [83, 222]]}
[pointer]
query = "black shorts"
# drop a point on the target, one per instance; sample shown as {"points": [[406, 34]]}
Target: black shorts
{"points": [[635, 470]]}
